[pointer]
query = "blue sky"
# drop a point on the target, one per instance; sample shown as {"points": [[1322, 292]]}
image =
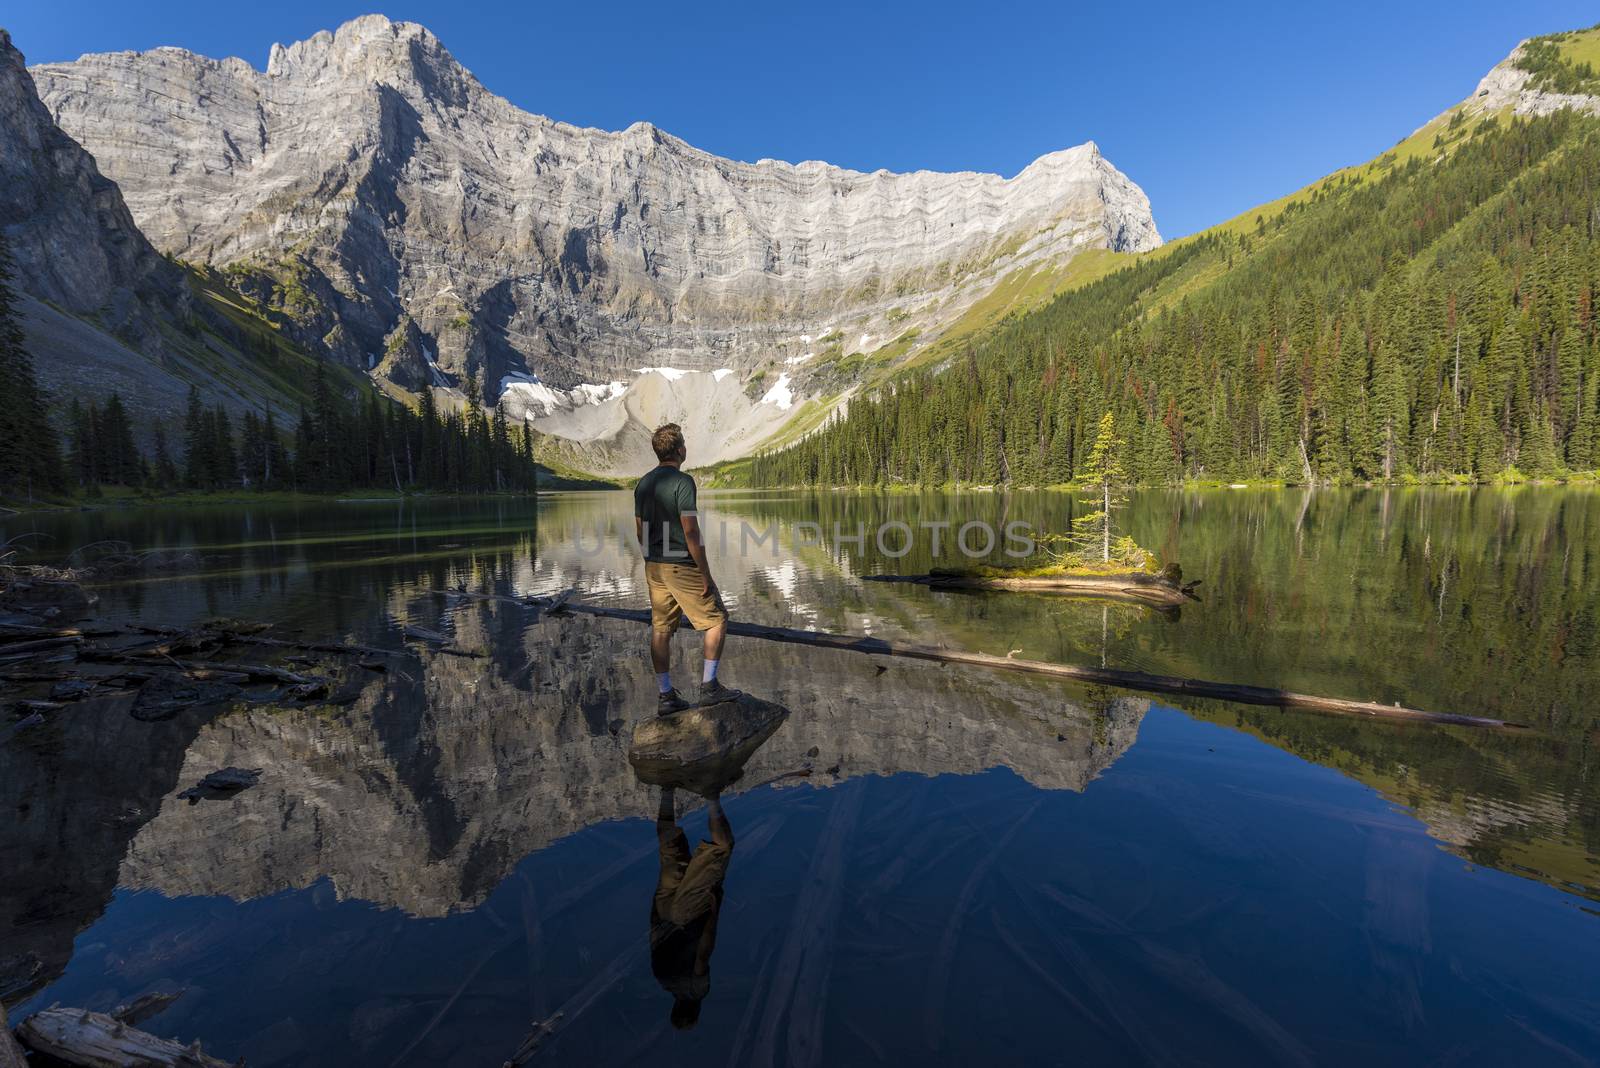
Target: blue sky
{"points": [[1212, 108]]}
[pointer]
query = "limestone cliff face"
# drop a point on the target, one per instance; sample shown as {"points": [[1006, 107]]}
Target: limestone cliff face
{"points": [[69, 231], [365, 179], [424, 795], [1509, 86]]}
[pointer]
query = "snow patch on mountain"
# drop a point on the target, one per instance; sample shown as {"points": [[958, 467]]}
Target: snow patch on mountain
{"points": [[527, 395], [780, 393], [606, 429]]}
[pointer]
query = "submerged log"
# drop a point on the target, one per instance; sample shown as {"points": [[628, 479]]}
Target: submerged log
{"points": [[1125, 680], [439, 642], [233, 636], [47, 596], [30, 649], [11, 633], [95, 1040], [261, 672], [145, 1006], [224, 783]]}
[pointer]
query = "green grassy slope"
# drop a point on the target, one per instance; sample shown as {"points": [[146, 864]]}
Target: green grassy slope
{"points": [[1321, 321]]}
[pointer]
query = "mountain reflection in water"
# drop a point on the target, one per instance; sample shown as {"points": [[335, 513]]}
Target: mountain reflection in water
{"points": [[459, 862]]}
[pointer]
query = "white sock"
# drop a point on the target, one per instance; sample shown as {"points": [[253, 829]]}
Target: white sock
{"points": [[664, 680], [711, 671]]}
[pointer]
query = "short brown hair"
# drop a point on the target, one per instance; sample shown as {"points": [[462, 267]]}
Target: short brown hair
{"points": [[667, 440]]}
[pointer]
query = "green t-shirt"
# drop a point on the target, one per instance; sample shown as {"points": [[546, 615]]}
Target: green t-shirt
{"points": [[660, 499]]}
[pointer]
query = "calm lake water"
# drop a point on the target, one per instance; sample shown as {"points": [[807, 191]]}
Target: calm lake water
{"points": [[929, 863]]}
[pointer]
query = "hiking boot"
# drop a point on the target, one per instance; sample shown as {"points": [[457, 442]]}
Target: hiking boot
{"points": [[714, 693], [670, 702]]}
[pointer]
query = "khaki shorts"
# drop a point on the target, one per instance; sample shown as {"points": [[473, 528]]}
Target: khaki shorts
{"points": [[688, 885], [678, 590]]}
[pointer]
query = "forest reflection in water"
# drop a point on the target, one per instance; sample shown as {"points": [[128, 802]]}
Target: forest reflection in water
{"points": [[466, 841]]}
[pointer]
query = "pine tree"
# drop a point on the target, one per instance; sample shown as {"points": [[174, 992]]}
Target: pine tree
{"points": [[252, 451], [275, 466], [119, 460], [1423, 319], [196, 442], [1104, 474], [164, 472], [30, 451], [500, 447], [432, 455], [81, 449], [328, 462], [307, 473]]}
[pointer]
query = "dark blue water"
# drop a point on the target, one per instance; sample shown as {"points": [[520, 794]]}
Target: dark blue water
{"points": [[971, 868]]}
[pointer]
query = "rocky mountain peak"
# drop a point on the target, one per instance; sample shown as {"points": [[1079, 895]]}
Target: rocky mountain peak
{"points": [[366, 180], [70, 232], [363, 48]]}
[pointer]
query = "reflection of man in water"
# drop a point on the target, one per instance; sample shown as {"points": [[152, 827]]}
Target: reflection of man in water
{"points": [[683, 913]]}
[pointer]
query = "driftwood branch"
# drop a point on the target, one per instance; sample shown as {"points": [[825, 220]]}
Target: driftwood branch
{"points": [[201, 669], [438, 641], [18, 632], [145, 1006], [229, 637], [1125, 680], [28, 650], [95, 1040]]}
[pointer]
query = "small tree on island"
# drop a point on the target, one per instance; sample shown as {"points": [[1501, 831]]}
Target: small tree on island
{"points": [[1105, 476], [1093, 539]]}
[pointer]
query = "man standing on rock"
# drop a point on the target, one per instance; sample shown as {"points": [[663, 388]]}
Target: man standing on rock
{"points": [[676, 570]]}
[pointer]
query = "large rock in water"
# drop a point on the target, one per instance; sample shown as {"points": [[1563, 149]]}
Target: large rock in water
{"points": [[703, 749]]}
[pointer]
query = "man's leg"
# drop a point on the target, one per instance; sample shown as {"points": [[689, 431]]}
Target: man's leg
{"points": [[721, 829], [661, 650], [666, 815], [711, 689], [667, 699], [665, 612], [713, 642], [710, 618]]}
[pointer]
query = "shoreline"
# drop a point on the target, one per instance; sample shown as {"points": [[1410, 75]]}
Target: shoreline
{"points": [[115, 502], [244, 497], [1585, 478]]}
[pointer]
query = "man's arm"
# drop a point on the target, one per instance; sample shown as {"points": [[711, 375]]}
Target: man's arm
{"points": [[721, 829], [697, 551]]}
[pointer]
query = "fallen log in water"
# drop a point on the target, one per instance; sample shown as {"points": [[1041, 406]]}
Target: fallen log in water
{"points": [[261, 672], [28, 650], [145, 1006], [1131, 586], [232, 637], [199, 668], [95, 1040], [18, 632], [1125, 680]]}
